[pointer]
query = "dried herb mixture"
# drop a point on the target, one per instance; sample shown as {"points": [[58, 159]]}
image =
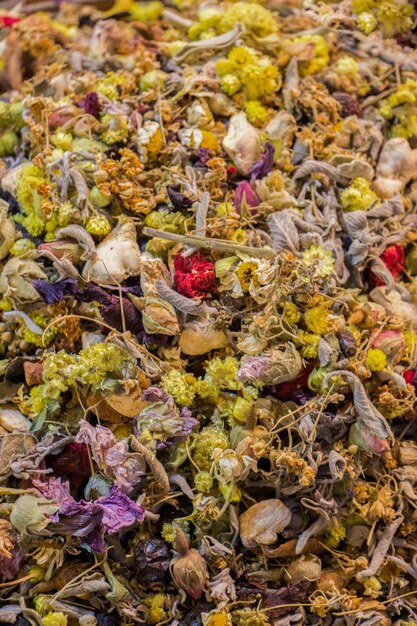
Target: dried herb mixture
{"points": [[208, 313]]}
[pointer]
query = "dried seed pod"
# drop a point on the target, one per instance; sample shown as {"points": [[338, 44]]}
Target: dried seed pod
{"points": [[152, 559], [262, 522]]}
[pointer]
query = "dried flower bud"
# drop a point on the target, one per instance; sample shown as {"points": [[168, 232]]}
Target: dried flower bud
{"points": [[347, 343], [159, 317], [262, 522], [392, 344], [189, 569], [63, 249], [116, 258], [407, 453]]}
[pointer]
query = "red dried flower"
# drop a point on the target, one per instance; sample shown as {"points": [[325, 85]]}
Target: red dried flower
{"points": [[8, 20], [394, 258], [73, 462], [194, 276], [408, 376]]}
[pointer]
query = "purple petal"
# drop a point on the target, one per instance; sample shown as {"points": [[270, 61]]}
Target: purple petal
{"points": [[204, 155], [10, 567], [155, 394], [91, 104], [55, 292], [265, 163], [119, 511]]}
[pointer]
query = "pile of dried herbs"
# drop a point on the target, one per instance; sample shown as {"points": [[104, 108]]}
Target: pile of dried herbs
{"points": [[208, 294]]}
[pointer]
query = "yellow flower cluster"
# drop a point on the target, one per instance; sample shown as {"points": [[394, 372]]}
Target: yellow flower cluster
{"points": [[249, 72], [394, 16], [33, 190], [181, 386], [321, 56], [210, 438], [402, 105], [376, 360], [256, 113], [358, 196], [317, 320], [254, 17]]}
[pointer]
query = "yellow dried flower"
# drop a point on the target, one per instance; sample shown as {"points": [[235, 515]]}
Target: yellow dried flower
{"points": [[317, 320], [358, 196], [376, 360], [321, 55], [55, 619], [256, 113], [181, 386]]}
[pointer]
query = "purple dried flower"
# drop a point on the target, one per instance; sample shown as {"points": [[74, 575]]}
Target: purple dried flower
{"points": [[91, 104], [245, 192], [53, 489], [9, 567], [266, 162], [112, 309], [204, 155], [155, 394], [55, 292], [119, 511], [253, 368]]}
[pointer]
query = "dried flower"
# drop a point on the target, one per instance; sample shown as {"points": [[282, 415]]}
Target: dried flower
{"points": [[189, 569]]}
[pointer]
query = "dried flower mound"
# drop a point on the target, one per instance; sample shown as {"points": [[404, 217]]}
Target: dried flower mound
{"points": [[194, 275], [247, 71], [358, 196]]}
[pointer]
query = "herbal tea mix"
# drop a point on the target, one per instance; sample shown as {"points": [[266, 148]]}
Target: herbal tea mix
{"points": [[208, 313]]}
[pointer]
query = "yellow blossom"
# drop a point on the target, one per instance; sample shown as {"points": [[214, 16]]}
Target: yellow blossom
{"points": [[317, 320], [376, 360], [358, 196], [55, 619]]}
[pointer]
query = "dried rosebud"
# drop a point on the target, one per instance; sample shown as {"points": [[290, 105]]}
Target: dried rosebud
{"points": [[189, 569], [392, 344], [151, 561], [159, 317], [262, 522], [63, 248], [367, 442], [347, 343], [245, 194]]}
